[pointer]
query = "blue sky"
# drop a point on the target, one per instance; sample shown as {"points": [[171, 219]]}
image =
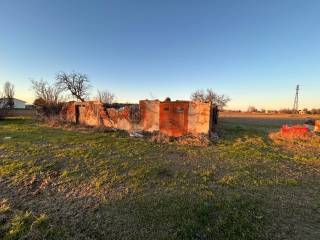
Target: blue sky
{"points": [[253, 51]]}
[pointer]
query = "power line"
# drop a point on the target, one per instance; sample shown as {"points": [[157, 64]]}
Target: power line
{"points": [[296, 100]]}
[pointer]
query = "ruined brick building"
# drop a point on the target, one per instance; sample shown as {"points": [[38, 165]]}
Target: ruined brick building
{"points": [[174, 118]]}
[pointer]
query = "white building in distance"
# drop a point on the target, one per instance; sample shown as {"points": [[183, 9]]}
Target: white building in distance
{"points": [[18, 104]]}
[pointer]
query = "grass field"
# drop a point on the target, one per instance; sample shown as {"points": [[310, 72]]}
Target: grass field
{"points": [[58, 183]]}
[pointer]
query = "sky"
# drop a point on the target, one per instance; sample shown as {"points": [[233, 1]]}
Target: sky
{"points": [[254, 51]]}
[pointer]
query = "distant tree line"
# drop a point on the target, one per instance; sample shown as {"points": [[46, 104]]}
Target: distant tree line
{"points": [[253, 109], [312, 111]]}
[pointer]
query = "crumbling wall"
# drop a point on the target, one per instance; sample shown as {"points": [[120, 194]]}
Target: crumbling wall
{"points": [[171, 118], [121, 118], [317, 126], [294, 131], [93, 113], [174, 118], [199, 117], [68, 112], [89, 113], [149, 112]]}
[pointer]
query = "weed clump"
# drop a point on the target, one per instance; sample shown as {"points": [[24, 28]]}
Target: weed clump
{"points": [[16, 224], [187, 139]]}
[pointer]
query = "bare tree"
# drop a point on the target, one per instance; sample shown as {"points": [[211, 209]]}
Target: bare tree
{"points": [[3, 111], [199, 95], [210, 96], [48, 93], [252, 109], [8, 96], [48, 100], [105, 96], [75, 83], [2, 100]]}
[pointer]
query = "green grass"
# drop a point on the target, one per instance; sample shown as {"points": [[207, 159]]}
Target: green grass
{"points": [[20, 225], [57, 183]]}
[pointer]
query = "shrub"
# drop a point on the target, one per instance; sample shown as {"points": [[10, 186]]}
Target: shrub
{"points": [[47, 110]]}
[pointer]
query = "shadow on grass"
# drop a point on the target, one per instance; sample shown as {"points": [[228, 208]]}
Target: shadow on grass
{"points": [[183, 216], [142, 216], [17, 121]]}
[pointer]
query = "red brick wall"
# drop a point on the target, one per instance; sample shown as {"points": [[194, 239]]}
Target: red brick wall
{"points": [[317, 126], [174, 118]]}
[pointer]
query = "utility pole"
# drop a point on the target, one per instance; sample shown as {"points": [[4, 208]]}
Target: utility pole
{"points": [[296, 100]]}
